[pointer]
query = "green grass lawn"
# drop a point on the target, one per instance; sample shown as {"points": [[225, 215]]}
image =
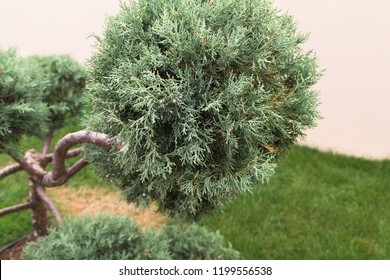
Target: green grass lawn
{"points": [[319, 205]]}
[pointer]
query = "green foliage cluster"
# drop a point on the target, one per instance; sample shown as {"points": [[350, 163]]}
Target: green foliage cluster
{"points": [[21, 108], [109, 237], [201, 96], [195, 242], [37, 94], [64, 87]]}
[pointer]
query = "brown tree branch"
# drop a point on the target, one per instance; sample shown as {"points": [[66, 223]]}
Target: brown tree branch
{"points": [[60, 174], [47, 143], [71, 153], [15, 208], [76, 167], [71, 139], [50, 205], [11, 169], [31, 163]]}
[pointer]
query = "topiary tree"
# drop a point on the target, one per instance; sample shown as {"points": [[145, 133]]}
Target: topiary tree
{"points": [[201, 96], [38, 94], [21, 106], [192, 101], [62, 93], [110, 237]]}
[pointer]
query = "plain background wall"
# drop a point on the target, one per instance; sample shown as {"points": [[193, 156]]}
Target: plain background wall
{"points": [[351, 39]]}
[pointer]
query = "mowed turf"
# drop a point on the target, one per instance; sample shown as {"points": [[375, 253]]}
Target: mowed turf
{"points": [[319, 205]]}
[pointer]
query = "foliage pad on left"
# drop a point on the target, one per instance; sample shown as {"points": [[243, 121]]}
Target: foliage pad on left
{"points": [[37, 94], [65, 82], [22, 110]]}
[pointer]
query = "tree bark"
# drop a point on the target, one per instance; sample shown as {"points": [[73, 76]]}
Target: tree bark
{"points": [[71, 139], [8, 170], [11, 169], [47, 143], [15, 208], [34, 164], [57, 216], [40, 217]]}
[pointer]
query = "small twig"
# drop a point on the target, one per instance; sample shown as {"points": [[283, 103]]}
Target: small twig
{"points": [[50, 205], [47, 143], [14, 155], [15, 208], [71, 153], [76, 167], [11, 169]]}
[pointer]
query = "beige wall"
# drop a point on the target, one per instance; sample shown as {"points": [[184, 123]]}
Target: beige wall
{"points": [[351, 38], [53, 26]]}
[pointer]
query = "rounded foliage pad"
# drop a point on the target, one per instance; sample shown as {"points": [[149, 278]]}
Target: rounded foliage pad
{"points": [[202, 96], [22, 111], [65, 82], [111, 237], [102, 237]]}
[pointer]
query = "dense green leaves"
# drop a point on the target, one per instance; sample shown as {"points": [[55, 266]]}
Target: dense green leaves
{"points": [[21, 108], [202, 96], [110, 237], [37, 94], [104, 237], [65, 82], [194, 242]]}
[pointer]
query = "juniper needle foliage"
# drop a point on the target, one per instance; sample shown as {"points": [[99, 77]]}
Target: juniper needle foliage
{"points": [[64, 88], [37, 94], [103, 237], [202, 97], [21, 108], [194, 242], [111, 237]]}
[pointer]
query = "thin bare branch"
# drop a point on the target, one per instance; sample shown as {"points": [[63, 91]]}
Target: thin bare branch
{"points": [[46, 143], [77, 167], [14, 154], [70, 172], [11, 169], [71, 153], [15, 208], [50, 205]]}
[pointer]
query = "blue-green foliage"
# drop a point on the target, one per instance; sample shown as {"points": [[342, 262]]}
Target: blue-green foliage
{"points": [[110, 237], [105, 237], [195, 242], [202, 96], [63, 89], [37, 94], [21, 108]]}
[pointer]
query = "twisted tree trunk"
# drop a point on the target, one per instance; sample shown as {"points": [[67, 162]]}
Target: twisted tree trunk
{"points": [[40, 215], [34, 164]]}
